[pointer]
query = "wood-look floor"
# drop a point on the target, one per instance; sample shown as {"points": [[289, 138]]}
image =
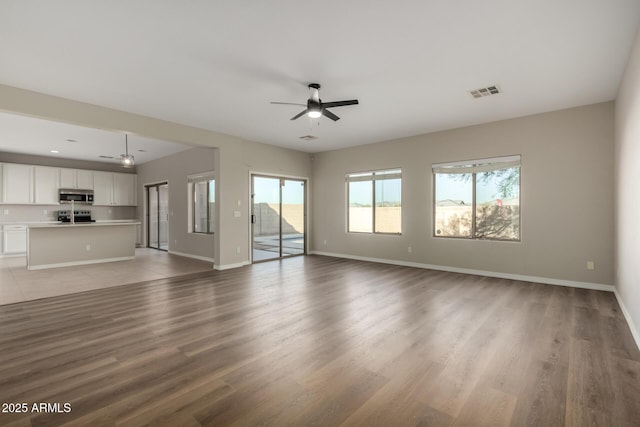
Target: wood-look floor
{"points": [[322, 341]]}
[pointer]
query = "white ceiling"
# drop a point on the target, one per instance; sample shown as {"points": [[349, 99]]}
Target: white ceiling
{"points": [[26, 135], [218, 64]]}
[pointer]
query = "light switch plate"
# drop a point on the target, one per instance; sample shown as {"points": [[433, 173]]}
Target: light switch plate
{"points": [[236, 214]]}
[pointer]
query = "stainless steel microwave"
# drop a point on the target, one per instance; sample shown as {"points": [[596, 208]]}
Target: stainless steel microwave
{"points": [[81, 197]]}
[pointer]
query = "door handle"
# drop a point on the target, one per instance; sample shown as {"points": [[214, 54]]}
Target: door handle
{"points": [[253, 219]]}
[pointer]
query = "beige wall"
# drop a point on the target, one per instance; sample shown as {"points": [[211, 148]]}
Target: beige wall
{"points": [[174, 169], [567, 197], [236, 157], [627, 185], [567, 165], [268, 217]]}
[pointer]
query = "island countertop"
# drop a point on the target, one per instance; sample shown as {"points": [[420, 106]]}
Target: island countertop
{"points": [[59, 244], [82, 224]]}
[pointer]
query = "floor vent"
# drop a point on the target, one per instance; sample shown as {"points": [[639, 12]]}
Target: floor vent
{"points": [[308, 137], [485, 91]]}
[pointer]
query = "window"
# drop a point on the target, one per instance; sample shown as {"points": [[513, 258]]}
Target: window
{"points": [[478, 199], [374, 200], [202, 204]]}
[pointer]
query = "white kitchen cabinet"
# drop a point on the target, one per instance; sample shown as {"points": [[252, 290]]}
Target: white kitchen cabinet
{"points": [[84, 179], [46, 185], [17, 184], [68, 178], [14, 239], [124, 189], [103, 188], [114, 189], [76, 178]]}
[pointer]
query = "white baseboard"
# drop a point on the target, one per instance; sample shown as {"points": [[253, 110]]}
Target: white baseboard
{"points": [[230, 266], [521, 277], [13, 254], [627, 316], [75, 263], [201, 258]]}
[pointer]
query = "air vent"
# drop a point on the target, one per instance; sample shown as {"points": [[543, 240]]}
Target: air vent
{"points": [[308, 137], [106, 157], [485, 91]]}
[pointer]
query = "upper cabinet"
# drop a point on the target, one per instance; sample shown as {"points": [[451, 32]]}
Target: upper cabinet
{"points": [[46, 185], [103, 188], [17, 184], [114, 189], [124, 189], [28, 184], [76, 178]]}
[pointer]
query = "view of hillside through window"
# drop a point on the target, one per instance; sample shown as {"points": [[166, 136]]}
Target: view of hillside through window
{"points": [[493, 212]]}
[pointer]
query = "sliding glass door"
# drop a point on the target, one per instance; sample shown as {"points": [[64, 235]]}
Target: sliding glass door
{"points": [[278, 217], [158, 216]]}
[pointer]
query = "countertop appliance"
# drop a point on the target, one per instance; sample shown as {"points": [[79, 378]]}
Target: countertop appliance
{"points": [[68, 195], [78, 216]]}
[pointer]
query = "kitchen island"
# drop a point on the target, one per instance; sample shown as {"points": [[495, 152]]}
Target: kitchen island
{"points": [[64, 244]]}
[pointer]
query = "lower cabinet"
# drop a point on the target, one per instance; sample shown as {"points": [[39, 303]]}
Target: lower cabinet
{"points": [[14, 239]]}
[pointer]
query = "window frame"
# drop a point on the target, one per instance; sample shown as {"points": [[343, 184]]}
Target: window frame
{"points": [[385, 174], [193, 181], [493, 163]]}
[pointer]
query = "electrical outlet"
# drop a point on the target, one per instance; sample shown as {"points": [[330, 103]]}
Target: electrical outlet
{"points": [[88, 247], [591, 265], [325, 241], [238, 250], [409, 249], [6, 211], [44, 211]]}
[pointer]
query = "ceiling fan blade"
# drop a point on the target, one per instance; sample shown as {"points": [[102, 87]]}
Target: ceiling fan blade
{"points": [[300, 114], [288, 103], [330, 115], [339, 103]]}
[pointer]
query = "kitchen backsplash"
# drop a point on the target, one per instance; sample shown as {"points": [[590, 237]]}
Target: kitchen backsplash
{"points": [[18, 213]]}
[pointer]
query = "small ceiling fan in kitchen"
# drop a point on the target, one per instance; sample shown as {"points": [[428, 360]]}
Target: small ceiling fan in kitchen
{"points": [[315, 106]]}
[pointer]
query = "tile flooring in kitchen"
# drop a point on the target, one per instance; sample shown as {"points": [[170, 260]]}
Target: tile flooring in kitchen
{"points": [[19, 284]]}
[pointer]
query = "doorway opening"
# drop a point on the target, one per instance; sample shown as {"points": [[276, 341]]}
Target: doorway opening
{"points": [[158, 216], [278, 217]]}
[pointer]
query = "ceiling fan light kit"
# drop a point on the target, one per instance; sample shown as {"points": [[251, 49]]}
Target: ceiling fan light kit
{"points": [[315, 106]]}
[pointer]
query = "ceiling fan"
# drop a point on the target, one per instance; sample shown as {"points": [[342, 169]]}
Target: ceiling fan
{"points": [[315, 106]]}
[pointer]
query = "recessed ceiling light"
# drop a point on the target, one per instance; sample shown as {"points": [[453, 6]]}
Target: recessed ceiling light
{"points": [[71, 140], [54, 151]]}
